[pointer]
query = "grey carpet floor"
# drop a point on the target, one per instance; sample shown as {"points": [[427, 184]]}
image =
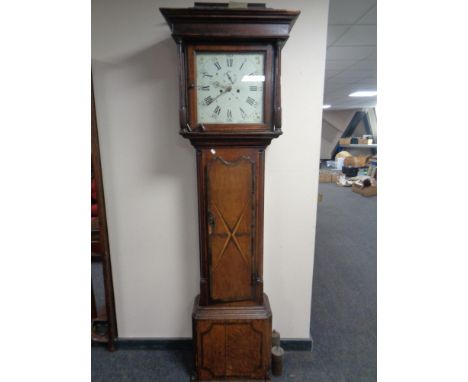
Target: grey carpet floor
{"points": [[344, 291], [344, 307]]}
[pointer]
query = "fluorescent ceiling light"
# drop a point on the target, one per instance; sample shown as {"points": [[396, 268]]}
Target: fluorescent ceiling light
{"points": [[326, 106], [253, 78], [364, 93]]}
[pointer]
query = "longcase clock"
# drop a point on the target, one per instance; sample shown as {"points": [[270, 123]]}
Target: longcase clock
{"points": [[230, 110]]}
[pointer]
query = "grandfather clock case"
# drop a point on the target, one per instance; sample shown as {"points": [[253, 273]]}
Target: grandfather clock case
{"points": [[229, 63]]}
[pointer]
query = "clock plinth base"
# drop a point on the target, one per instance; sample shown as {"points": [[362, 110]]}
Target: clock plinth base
{"points": [[194, 379], [232, 341]]}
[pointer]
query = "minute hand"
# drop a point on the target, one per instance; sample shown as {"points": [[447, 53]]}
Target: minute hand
{"points": [[230, 79]]}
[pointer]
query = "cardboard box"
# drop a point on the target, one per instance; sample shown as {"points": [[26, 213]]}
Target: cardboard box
{"points": [[329, 176], [366, 191], [345, 141], [356, 161], [335, 175], [365, 141], [324, 177]]}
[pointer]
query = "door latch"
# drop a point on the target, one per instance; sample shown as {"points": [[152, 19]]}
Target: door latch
{"points": [[211, 222]]}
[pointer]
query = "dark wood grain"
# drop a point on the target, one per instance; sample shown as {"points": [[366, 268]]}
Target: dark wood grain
{"points": [[232, 341], [242, 343], [219, 28], [230, 186], [231, 316], [212, 24], [231, 208], [268, 91], [101, 240], [93, 304]]}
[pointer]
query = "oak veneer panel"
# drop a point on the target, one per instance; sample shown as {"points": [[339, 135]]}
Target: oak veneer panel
{"points": [[242, 344], [230, 210], [232, 341], [230, 188], [213, 347]]}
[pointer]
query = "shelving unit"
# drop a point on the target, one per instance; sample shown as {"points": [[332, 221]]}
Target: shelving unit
{"points": [[361, 146]]}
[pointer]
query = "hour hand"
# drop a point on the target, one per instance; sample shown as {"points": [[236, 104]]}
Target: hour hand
{"points": [[216, 84], [227, 89]]}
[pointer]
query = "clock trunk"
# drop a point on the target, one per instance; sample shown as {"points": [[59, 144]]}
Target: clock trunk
{"points": [[230, 191]]}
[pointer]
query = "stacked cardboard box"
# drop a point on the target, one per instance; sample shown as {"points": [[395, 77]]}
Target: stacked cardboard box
{"points": [[329, 176], [356, 161], [324, 176], [365, 191], [366, 140]]}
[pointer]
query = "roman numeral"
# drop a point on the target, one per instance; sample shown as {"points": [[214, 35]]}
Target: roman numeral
{"points": [[229, 61], [250, 101], [208, 100], [243, 62], [244, 114], [218, 66], [217, 110], [205, 74], [206, 87], [253, 88], [229, 114]]}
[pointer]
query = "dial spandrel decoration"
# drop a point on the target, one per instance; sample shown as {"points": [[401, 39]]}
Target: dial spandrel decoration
{"points": [[230, 87]]}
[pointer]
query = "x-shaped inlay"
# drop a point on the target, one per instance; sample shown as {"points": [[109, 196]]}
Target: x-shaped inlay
{"points": [[231, 234]]}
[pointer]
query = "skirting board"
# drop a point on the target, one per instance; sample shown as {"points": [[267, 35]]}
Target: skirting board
{"points": [[186, 344]]}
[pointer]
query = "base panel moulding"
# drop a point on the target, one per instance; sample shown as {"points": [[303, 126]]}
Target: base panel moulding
{"points": [[232, 342], [236, 380]]}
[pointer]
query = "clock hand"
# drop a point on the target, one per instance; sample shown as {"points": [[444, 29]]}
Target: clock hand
{"points": [[227, 89], [218, 85], [230, 79]]}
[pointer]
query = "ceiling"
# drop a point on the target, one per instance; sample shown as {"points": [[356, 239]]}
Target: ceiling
{"points": [[351, 53]]}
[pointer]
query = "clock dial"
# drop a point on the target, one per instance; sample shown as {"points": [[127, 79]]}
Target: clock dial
{"points": [[230, 87]]}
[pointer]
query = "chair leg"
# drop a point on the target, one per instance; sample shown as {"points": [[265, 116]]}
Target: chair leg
{"points": [[93, 304]]}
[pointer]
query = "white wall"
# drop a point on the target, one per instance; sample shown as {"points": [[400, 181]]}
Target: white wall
{"points": [[150, 179]]}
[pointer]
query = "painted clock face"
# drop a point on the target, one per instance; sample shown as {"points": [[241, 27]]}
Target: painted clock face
{"points": [[230, 87]]}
